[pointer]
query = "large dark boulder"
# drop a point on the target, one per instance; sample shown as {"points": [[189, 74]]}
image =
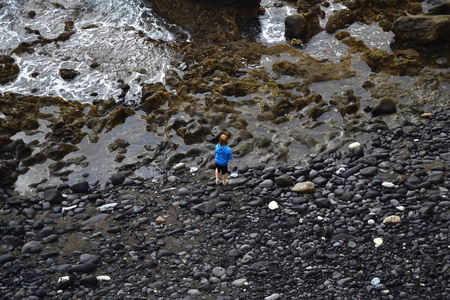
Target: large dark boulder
{"points": [[214, 20], [422, 29], [440, 9], [301, 26]]}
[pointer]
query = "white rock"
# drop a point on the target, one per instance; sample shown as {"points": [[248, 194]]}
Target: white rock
{"points": [[63, 279], [303, 187], [354, 145], [68, 208], [178, 166], [378, 242], [370, 221], [388, 185], [340, 171], [392, 219], [107, 206], [273, 205], [103, 278], [400, 208], [193, 169]]}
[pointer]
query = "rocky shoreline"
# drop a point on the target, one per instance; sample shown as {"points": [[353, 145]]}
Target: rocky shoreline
{"points": [[371, 221]]}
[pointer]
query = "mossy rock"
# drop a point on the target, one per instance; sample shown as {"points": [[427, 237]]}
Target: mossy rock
{"points": [[400, 62], [9, 70], [340, 19], [68, 74], [385, 106], [212, 20]]}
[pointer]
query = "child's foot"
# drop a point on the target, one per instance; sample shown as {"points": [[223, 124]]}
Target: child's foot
{"points": [[225, 182], [217, 182]]}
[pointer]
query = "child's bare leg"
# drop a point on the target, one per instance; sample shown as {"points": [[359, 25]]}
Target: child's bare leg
{"points": [[217, 175], [225, 177]]}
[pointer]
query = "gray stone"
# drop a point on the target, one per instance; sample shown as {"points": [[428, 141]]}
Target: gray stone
{"points": [[32, 247], [95, 219], [53, 196]]}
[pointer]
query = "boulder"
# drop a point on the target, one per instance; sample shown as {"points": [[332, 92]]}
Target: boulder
{"points": [[340, 19], [440, 9], [422, 29], [213, 19], [301, 26], [384, 106]]}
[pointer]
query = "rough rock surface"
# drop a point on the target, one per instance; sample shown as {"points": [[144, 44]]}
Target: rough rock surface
{"points": [[422, 29], [213, 19]]}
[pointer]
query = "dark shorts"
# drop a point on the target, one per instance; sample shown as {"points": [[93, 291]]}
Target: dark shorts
{"points": [[222, 169]]}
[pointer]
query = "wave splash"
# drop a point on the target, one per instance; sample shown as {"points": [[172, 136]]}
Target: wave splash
{"points": [[128, 42]]}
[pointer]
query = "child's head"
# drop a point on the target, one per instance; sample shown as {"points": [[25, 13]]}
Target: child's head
{"points": [[223, 140]]}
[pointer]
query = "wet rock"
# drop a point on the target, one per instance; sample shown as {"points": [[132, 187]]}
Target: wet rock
{"points": [[422, 29], [284, 181], [64, 282], [339, 20], [95, 219], [53, 196], [32, 247], [213, 20], [89, 280], [4, 258], [301, 26], [117, 178], [68, 74], [384, 106], [400, 62], [440, 9], [83, 268], [9, 70], [80, 187]]}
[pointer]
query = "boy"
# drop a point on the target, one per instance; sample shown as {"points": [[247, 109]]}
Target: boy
{"points": [[223, 155]]}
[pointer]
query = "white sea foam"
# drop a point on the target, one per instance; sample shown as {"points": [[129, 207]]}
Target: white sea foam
{"points": [[125, 37]]}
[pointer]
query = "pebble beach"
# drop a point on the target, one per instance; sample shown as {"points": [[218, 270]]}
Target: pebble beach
{"points": [[370, 222]]}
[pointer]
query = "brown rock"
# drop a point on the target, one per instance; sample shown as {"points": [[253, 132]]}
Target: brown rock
{"points": [[68, 74], [302, 26], [213, 19], [339, 20], [160, 220], [304, 187], [422, 29], [8, 69]]}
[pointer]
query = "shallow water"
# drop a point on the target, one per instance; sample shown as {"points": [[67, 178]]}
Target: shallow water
{"points": [[132, 44]]}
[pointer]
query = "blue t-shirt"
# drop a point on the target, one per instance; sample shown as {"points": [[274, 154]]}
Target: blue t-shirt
{"points": [[223, 155]]}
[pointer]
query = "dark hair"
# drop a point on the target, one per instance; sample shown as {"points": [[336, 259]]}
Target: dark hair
{"points": [[223, 140]]}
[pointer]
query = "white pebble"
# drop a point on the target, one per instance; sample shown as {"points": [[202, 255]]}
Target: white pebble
{"points": [[354, 145], [378, 242], [103, 278], [178, 166], [371, 221], [392, 219], [69, 208], [400, 208], [273, 205], [388, 185]]}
